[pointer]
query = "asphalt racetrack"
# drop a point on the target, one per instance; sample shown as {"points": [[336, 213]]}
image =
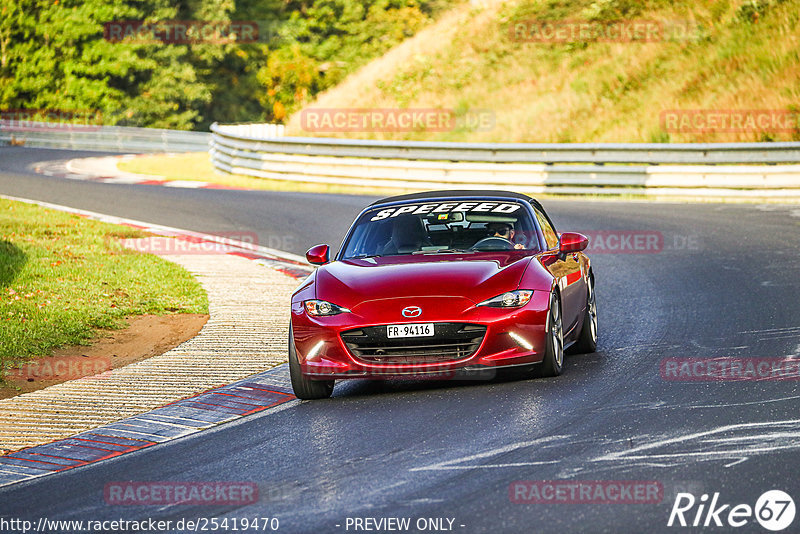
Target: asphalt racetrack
{"points": [[722, 284]]}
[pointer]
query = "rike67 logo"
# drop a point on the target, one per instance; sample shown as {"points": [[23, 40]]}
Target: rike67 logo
{"points": [[774, 510]]}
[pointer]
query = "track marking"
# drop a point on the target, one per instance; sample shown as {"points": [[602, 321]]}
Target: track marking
{"points": [[789, 439], [447, 465]]}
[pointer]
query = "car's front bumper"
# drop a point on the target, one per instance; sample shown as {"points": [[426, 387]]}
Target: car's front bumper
{"points": [[324, 355]]}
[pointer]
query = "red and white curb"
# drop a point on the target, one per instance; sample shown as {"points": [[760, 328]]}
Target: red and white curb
{"points": [[189, 415], [104, 169]]}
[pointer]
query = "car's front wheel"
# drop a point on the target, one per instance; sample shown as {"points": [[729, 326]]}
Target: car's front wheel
{"points": [[553, 361], [304, 387]]}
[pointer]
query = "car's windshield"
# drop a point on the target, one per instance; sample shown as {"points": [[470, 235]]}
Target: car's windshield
{"points": [[442, 226]]}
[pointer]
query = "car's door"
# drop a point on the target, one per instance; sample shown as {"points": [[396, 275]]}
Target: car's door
{"points": [[567, 272]]}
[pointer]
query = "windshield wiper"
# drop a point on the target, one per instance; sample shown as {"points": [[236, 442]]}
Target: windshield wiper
{"points": [[363, 256]]}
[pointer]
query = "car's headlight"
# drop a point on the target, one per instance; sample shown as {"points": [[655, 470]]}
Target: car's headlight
{"points": [[511, 299], [321, 308]]}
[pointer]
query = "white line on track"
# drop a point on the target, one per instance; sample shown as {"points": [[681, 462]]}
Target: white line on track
{"points": [[447, 465]]}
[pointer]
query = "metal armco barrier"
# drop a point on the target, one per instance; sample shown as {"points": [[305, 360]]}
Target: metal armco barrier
{"points": [[719, 169], [101, 138], [713, 169]]}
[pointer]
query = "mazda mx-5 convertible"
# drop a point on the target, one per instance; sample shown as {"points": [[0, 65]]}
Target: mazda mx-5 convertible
{"points": [[442, 283]]}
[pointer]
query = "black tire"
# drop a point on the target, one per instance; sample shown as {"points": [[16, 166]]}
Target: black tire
{"points": [[304, 387], [553, 361], [587, 340]]}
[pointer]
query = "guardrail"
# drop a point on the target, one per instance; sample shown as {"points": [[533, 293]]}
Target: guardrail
{"points": [[101, 138], [261, 150], [719, 169]]}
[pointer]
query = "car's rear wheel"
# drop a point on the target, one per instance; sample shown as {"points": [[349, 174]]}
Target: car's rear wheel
{"points": [[587, 340], [553, 361], [304, 387]]}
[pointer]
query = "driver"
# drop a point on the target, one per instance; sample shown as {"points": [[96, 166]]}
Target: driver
{"points": [[505, 231]]}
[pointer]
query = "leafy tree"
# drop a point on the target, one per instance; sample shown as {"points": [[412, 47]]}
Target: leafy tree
{"points": [[53, 55]]}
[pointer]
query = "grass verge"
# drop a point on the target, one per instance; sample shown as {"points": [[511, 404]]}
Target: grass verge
{"points": [[63, 277], [477, 62]]}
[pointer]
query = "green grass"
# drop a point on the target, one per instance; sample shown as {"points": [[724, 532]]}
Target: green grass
{"points": [[63, 277], [729, 54]]}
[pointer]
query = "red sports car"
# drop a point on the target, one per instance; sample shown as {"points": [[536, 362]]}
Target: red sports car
{"points": [[441, 282]]}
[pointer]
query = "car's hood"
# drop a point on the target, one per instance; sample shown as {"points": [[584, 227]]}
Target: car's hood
{"points": [[476, 277]]}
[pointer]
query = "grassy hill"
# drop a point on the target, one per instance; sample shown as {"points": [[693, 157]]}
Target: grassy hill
{"points": [[725, 55]]}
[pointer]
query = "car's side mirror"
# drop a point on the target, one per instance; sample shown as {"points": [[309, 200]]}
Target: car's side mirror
{"points": [[572, 242], [318, 255]]}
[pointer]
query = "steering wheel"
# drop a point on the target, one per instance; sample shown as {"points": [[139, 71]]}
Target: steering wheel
{"points": [[493, 243]]}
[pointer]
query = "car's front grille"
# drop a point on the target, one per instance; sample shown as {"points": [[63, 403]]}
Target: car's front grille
{"points": [[450, 342]]}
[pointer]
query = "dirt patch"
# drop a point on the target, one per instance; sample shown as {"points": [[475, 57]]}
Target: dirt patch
{"points": [[147, 335]]}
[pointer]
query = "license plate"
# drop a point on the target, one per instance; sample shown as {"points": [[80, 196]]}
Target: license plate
{"points": [[409, 330]]}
